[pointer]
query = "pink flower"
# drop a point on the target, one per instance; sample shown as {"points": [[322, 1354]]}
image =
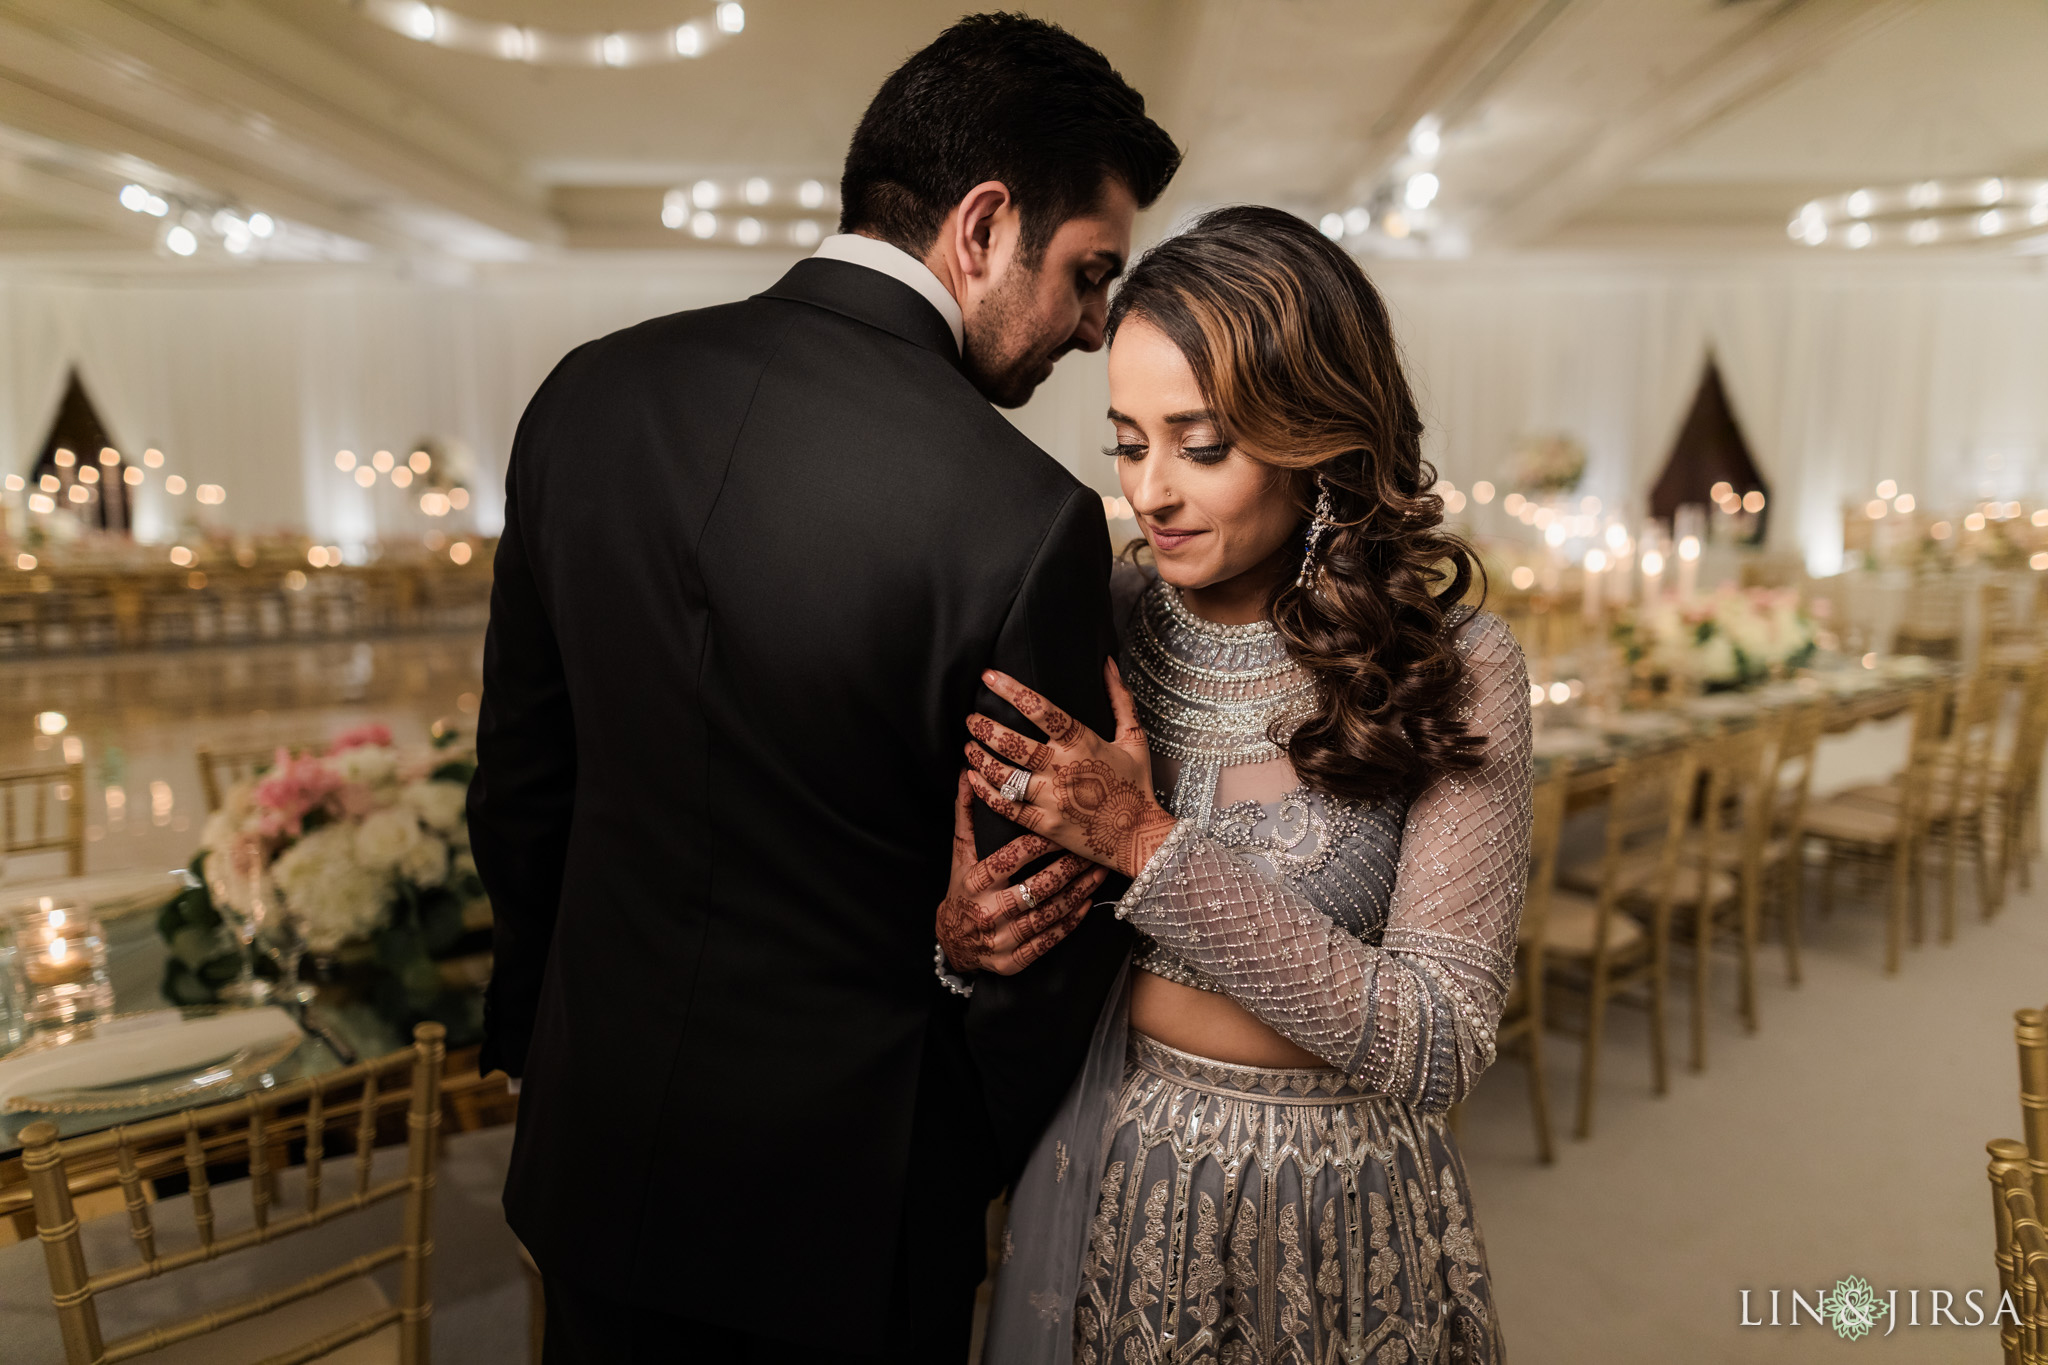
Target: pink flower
{"points": [[295, 788], [370, 734]]}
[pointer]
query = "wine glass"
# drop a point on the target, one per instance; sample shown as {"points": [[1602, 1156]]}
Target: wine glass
{"points": [[246, 988], [284, 940]]}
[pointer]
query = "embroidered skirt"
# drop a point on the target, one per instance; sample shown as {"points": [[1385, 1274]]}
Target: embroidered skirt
{"points": [[1258, 1216]]}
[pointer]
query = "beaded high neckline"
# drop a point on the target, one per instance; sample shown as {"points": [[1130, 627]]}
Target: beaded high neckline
{"points": [[1207, 691], [1250, 647]]}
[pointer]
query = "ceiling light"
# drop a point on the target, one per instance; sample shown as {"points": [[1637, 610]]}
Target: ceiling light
{"points": [[1394, 225], [181, 241], [1923, 213], [703, 224], [1421, 191], [261, 224], [675, 209], [804, 232], [1332, 226], [135, 198], [810, 194], [704, 194], [1357, 220], [447, 28], [748, 231], [418, 21], [1427, 138], [757, 190]]}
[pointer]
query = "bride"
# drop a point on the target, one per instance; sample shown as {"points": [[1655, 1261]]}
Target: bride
{"points": [[1321, 787]]}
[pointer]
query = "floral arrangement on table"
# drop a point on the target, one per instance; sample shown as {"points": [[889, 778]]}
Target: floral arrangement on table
{"points": [[1551, 464], [369, 850], [1731, 638]]}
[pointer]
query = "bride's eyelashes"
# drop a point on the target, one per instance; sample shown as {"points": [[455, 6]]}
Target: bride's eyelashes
{"points": [[1205, 455]]}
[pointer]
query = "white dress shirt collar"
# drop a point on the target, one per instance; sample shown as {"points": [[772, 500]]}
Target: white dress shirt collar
{"points": [[897, 264]]}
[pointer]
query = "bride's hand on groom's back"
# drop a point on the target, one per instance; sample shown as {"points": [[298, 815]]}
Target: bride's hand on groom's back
{"points": [[1087, 794], [986, 924]]}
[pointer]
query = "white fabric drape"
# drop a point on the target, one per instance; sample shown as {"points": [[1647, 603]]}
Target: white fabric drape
{"points": [[1933, 373]]}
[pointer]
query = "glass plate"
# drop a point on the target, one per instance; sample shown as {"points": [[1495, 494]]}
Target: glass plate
{"points": [[222, 1078]]}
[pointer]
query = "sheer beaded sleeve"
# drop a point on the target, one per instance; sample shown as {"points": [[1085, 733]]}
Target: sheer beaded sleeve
{"points": [[1413, 1015]]}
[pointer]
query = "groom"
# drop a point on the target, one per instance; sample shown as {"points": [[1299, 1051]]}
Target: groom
{"points": [[755, 559]]}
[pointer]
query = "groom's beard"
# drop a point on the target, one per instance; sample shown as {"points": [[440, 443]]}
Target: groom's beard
{"points": [[1004, 357]]}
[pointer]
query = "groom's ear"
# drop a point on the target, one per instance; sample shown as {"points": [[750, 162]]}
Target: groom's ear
{"points": [[978, 238]]}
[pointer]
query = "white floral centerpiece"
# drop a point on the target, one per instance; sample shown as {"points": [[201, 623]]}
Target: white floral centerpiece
{"points": [[1733, 637], [1549, 464], [369, 850]]}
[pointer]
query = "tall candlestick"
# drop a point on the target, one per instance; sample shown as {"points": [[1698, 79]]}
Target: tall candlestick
{"points": [[1688, 568]]}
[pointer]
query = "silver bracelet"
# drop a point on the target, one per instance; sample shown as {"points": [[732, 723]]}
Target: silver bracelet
{"points": [[959, 985]]}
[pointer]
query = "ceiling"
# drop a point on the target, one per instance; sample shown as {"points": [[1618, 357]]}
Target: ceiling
{"points": [[1610, 125]]}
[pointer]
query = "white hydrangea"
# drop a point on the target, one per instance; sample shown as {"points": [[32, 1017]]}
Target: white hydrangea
{"points": [[337, 898], [369, 764], [439, 805], [385, 837], [425, 864]]}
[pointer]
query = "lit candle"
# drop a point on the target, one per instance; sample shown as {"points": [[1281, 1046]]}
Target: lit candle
{"points": [[1688, 568], [1596, 563], [1653, 575]]}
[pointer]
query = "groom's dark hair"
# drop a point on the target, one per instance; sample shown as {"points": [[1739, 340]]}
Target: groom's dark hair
{"points": [[999, 97]]}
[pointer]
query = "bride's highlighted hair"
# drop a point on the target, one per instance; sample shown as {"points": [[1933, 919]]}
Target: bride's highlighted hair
{"points": [[1292, 348]]}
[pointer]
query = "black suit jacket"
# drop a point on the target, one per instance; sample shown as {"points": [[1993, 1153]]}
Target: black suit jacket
{"points": [[755, 558]]}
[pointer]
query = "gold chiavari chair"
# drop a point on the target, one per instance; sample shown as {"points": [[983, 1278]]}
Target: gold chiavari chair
{"points": [[146, 1151], [221, 768], [2021, 1253], [1959, 786], [1869, 831], [1933, 620], [42, 810], [2016, 776], [1704, 898], [2030, 1032], [1780, 879], [2026, 810], [1522, 1017], [1613, 946], [2019, 1191], [1721, 872]]}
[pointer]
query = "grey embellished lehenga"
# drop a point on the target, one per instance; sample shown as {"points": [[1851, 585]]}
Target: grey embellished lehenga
{"points": [[1184, 1209]]}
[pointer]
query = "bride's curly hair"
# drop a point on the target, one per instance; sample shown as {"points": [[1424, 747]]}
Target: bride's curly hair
{"points": [[1292, 348]]}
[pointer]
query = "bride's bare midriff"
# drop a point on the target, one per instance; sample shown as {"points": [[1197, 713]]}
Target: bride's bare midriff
{"points": [[1208, 1025]]}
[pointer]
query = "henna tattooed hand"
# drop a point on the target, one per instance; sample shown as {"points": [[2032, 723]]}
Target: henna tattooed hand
{"points": [[983, 923], [1088, 795]]}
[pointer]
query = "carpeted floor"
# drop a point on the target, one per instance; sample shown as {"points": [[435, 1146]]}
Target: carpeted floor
{"points": [[1844, 1138]]}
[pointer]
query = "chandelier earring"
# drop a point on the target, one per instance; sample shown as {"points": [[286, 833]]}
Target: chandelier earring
{"points": [[1319, 525]]}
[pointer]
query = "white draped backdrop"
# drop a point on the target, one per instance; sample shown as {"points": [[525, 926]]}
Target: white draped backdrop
{"points": [[1841, 373]]}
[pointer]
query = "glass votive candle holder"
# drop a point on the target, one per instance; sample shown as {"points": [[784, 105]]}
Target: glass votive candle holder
{"points": [[60, 964]]}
